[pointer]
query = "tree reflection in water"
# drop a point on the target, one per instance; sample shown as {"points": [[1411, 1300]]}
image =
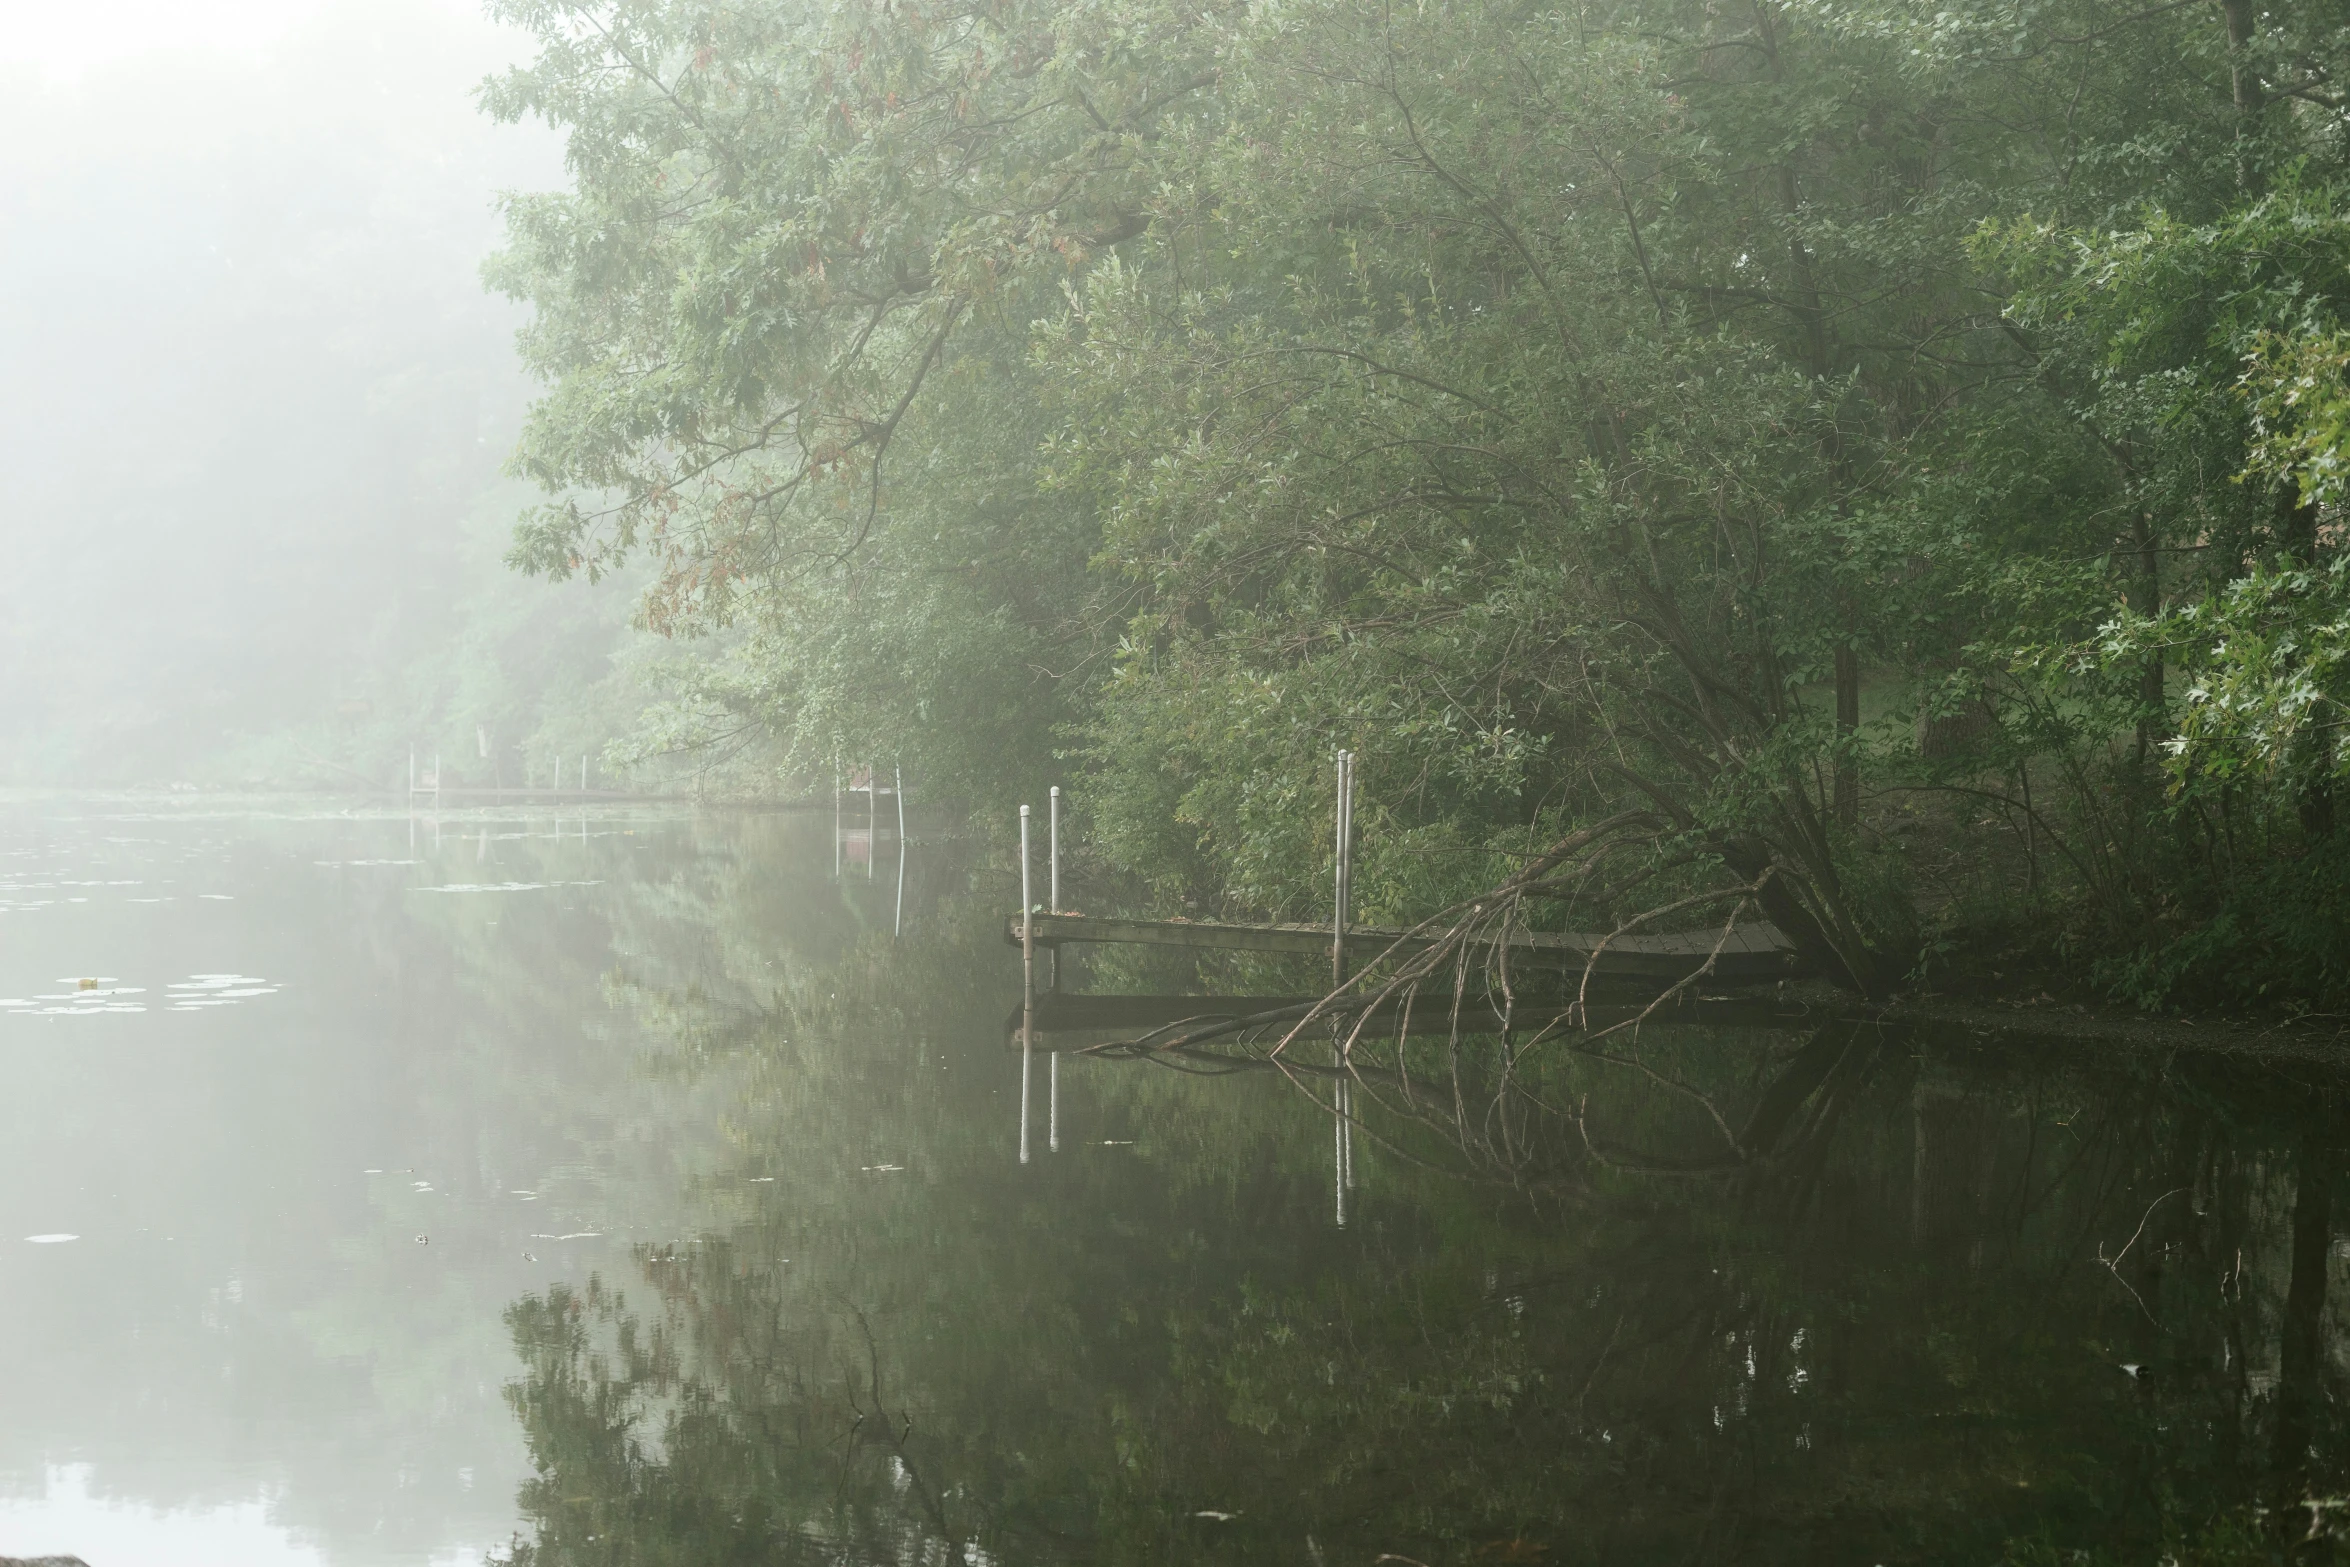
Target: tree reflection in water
{"points": [[1727, 1295]]}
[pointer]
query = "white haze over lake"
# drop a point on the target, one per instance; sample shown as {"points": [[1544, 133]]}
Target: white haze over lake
{"points": [[252, 394], [64, 42]]}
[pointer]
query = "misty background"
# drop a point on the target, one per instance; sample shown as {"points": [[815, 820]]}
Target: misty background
{"points": [[257, 401]]}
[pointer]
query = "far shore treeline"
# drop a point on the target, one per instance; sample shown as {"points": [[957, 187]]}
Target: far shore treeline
{"points": [[1875, 464]]}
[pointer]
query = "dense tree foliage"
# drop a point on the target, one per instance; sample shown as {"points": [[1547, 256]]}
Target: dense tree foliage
{"points": [[1879, 457]]}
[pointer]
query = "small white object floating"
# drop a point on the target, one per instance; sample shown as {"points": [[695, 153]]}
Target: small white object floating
{"points": [[50, 1240]]}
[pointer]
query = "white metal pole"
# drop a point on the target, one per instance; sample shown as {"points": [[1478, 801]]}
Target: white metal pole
{"points": [[1027, 981], [1053, 882], [898, 922], [1343, 889], [1027, 923]]}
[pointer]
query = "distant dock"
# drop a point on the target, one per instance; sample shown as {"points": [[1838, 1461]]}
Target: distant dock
{"points": [[546, 796]]}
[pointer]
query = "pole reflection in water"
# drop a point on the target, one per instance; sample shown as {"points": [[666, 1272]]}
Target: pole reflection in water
{"points": [[1024, 1055], [897, 924], [1052, 1136], [1343, 1158]]}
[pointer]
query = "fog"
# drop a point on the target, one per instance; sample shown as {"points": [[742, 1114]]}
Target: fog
{"points": [[255, 399]]}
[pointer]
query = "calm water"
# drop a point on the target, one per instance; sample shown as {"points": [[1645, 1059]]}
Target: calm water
{"points": [[620, 1191]]}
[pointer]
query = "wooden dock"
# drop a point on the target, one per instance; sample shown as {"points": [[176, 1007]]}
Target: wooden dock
{"points": [[1754, 954], [1064, 1021]]}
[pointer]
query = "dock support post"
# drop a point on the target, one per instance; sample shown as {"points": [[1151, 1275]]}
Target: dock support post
{"points": [[1027, 924], [836, 818], [1052, 897], [897, 922], [1345, 878], [1027, 980], [1052, 1135], [872, 818]]}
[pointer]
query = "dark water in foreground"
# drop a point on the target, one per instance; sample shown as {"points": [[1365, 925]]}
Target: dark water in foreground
{"points": [[619, 1192]]}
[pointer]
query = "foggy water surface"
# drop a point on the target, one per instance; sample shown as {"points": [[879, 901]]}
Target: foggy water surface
{"points": [[377, 1190]]}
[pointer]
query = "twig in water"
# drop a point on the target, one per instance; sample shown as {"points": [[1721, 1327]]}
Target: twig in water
{"points": [[2113, 1265]]}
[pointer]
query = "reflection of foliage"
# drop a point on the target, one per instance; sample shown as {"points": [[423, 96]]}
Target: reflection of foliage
{"points": [[1889, 1323], [755, 1466]]}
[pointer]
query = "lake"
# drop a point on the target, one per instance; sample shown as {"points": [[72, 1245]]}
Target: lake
{"points": [[649, 1187]]}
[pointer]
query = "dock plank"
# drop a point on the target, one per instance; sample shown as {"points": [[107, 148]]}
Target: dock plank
{"points": [[1753, 953], [1062, 1020]]}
